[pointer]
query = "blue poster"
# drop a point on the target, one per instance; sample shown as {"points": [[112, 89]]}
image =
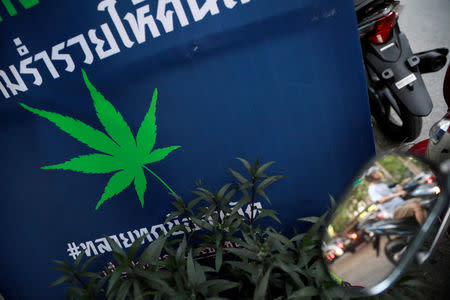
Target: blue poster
{"points": [[107, 107]]}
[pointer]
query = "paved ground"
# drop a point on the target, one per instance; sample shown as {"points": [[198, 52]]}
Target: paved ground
{"points": [[427, 26], [363, 267]]}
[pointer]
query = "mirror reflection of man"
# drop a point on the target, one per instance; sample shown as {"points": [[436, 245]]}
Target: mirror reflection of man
{"points": [[390, 201]]}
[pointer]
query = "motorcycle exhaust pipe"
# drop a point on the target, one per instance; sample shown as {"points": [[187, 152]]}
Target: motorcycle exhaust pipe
{"points": [[432, 60]]}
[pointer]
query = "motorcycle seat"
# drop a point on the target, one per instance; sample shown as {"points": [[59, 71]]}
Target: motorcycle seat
{"points": [[405, 221]]}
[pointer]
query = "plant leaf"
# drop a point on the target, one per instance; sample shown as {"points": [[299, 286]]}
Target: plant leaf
{"points": [[222, 191], [219, 258], [91, 163], [216, 286], [308, 291], [88, 262], [332, 201], [246, 164], [413, 283], [159, 154], [156, 282], [118, 182], [79, 258], [99, 285], [140, 184], [267, 213], [136, 246], [261, 170], [153, 251], [77, 291], [238, 176], [230, 194], [123, 290], [239, 205], [309, 219], [60, 280], [181, 250], [192, 203], [191, 269], [118, 252], [263, 194], [243, 253], [202, 224], [261, 288], [243, 266], [290, 270], [61, 269], [268, 181], [113, 281], [146, 135], [199, 273], [110, 118], [78, 130], [137, 293]]}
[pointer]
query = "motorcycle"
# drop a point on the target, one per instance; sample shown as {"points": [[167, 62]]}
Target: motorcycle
{"points": [[399, 233], [423, 186], [405, 237], [397, 94], [438, 150]]}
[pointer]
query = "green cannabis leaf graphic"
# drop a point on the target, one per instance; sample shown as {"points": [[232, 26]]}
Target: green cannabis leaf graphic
{"points": [[123, 154]]}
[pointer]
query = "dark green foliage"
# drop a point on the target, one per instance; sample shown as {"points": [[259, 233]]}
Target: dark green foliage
{"points": [[266, 265], [83, 284]]}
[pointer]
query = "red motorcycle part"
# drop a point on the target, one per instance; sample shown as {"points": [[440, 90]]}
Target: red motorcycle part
{"points": [[419, 148]]}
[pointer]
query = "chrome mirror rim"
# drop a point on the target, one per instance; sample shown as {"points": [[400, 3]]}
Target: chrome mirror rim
{"points": [[422, 257], [412, 251]]}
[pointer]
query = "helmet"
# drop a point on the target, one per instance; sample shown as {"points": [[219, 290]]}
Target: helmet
{"points": [[368, 173]]}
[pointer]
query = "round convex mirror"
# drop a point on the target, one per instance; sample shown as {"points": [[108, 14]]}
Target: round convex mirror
{"points": [[378, 218]]}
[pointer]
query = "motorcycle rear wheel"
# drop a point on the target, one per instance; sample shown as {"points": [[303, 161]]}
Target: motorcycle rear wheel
{"points": [[394, 250], [403, 127]]}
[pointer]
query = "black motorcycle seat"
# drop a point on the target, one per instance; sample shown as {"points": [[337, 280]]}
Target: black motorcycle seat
{"points": [[405, 221], [363, 3]]}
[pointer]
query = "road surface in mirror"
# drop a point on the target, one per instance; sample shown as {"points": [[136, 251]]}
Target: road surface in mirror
{"points": [[363, 267]]}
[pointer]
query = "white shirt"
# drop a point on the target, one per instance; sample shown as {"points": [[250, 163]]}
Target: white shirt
{"points": [[381, 190]]}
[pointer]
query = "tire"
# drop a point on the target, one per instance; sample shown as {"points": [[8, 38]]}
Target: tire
{"points": [[402, 127], [394, 250]]}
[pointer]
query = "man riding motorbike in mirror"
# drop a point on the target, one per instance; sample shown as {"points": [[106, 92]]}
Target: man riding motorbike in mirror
{"points": [[390, 201]]}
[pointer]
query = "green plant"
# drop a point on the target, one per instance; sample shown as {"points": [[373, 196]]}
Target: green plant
{"points": [[265, 265], [83, 284]]}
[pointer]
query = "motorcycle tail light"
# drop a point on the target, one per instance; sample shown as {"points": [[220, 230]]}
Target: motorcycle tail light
{"points": [[438, 130], [383, 28]]}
